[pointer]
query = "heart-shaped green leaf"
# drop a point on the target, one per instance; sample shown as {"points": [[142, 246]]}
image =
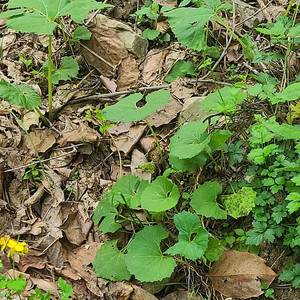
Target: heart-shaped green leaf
{"points": [[145, 259], [160, 195], [190, 140], [21, 95], [127, 111], [204, 200], [188, 246], [109, 263]]}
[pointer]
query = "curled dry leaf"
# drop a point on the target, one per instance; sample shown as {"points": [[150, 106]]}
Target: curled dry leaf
{"points": [[239, 274]]}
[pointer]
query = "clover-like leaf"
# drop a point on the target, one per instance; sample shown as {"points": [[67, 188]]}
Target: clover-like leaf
{"points": [[240, 203], [69, 68], [109, 263], [21, 95], [190, 140], [127, 111], [188, 25], [128, 190], [204, 200], [191, 247], [145, 259], [223, 100], [160, 195]]}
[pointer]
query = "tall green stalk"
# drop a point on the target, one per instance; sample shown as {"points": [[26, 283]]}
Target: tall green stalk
{"points": [[50, 78]]}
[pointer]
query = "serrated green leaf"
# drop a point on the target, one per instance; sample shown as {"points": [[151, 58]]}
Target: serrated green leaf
{"points": [[180, 69], [218, 139], [286, 275], [296, 180], [214, 249], [204, 200], [160, 195], [81, 33], [21, 95], [17, 284], [127, 111], [188, 164], [188, 246], [131, 188], [223, 100], [67, 289], [190, 140], [144, 254], [69, 68], [188, 25], [240, 203], [109, 263]]}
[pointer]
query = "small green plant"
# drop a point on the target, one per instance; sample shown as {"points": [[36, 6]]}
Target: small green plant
{"points": [[268, 292], [32, 173], [291, 275], [43, 17], [97, 114]]}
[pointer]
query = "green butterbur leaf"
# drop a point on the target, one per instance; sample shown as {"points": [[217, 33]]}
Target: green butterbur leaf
{"points": [[109, 263], [69, 68], [180, 69], [204, 201], [188, 246], [11, 13], [190, 140], [240, 203], [21, 95], [81, 33], [144, 258], [218, 139], [188, 164], [188, 25], [127, 111], [160, 195]]}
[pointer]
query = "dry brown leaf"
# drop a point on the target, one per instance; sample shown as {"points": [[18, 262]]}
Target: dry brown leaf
{"points": [[104, 44], [34, 259], [165, 114], [141, 294], [152, 65], [166, 2], [30, 118], [83, 134], [120, 128], [42, 140], [137, 159], [109, 84], [129, 73], [239, 274], [45, 285], [180, 91]]}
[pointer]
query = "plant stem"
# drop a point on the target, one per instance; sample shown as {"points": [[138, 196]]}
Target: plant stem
{"points": [[41, 116], [289, 8], [155, 138], [50, 78], [235, 36]]}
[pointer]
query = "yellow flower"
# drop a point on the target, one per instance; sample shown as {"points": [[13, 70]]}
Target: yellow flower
{"points": [[16, 247], [3, 243]]}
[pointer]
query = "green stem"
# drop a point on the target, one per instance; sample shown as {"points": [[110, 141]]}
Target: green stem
{"points": [[41, 115], [155, 138], [289, 8], [50, 78], [235, 36], [62, 29]]}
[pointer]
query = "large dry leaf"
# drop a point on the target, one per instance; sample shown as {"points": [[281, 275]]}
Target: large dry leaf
{"points": [[152, 65], [129, 74], [34, 259], [104, 46], [239, 274]]}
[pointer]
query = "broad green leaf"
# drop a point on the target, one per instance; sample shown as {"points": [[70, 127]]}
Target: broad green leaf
{"points": [[127, 111], [240, 203], [204, 200], [150, 34], [180, 69], [223, 100], [188, 164], [296, 180], [160, 195], [107, 210], [109, 263], [292, 92], [21, 95], [11, 13], [218, 139], [191, 247], [31, 22], [190, 140], [81, 33], [17, 284], [188, 25], [144, 258], [131, 188], [284, 130], [69, 68], [214, 249]]}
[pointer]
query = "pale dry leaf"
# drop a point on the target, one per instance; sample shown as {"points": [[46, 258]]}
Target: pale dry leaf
{"points": [[162, 26], [141, 294], [30, 118], [166, 2], [180, 91], [128, 73], [137, 159], [109, 84], [45, 285], [240, 274], [147, 143], [33, 259], [120, 128], [152, 65]]}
